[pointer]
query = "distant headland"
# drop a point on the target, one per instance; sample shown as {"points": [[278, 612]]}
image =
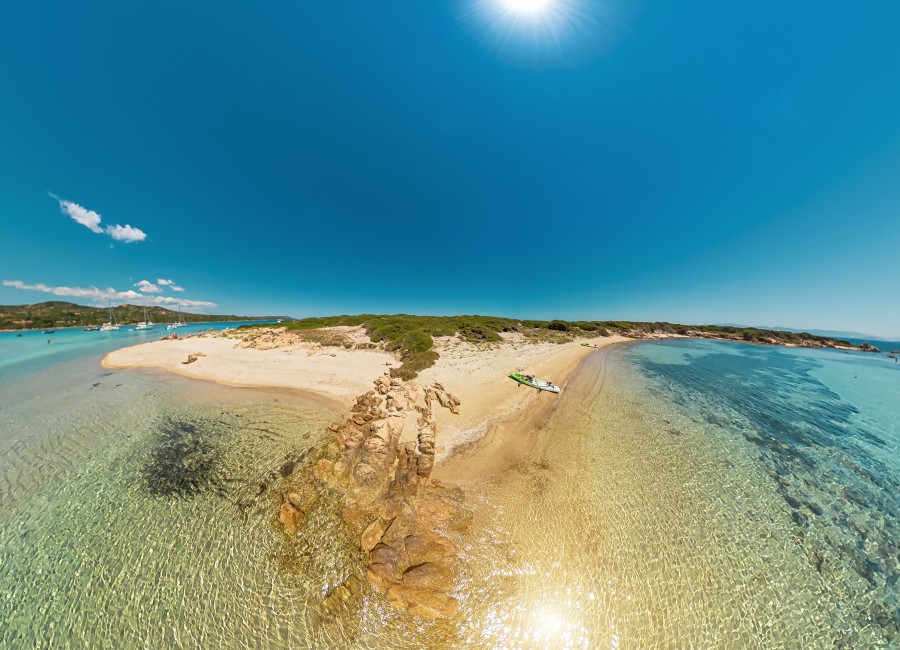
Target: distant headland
{"points": [[58, 314]]}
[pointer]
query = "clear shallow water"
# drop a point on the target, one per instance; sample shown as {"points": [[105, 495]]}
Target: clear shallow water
{"points": [[681, 494], [132, 515], [702, 494]]}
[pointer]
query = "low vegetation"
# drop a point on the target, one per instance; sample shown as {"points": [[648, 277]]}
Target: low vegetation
{"points": [[412, 337], [326, 338]]}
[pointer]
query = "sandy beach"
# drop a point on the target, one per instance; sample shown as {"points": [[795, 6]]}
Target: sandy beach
{"points": [[475, 373]]}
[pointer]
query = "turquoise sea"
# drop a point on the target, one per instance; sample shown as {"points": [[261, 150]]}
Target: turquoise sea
{"points": [[682, 494]]}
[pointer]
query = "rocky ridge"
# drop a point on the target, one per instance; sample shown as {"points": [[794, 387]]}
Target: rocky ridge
{"points": [[380, 462]]}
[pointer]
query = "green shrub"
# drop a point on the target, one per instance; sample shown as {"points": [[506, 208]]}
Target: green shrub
{"points": [[416, 341], [414, 363]]}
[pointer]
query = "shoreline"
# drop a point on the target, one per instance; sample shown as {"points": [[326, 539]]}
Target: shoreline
{"points": [[491, 405]]}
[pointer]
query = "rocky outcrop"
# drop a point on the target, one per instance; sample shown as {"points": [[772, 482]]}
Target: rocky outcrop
{"points": [[192, 358], [381, 462]]}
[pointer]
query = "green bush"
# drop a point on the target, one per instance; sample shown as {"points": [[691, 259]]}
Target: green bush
{"points": [[414, 363], [416, 341]]}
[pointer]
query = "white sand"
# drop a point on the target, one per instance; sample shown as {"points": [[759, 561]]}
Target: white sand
{"points": [[476, 374], [329, 372]]}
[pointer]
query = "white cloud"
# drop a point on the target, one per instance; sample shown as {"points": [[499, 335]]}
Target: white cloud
{"points": [[103, 295], [87, 218], [169, 283], [91, 220], [126, 233], [148, 287]]}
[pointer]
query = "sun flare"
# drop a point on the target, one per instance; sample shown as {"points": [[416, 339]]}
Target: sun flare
{"points": [[527, 6]]}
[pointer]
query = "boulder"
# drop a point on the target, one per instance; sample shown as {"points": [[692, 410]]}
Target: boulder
{"points": [[290, 517], [436, 510], [429, 604], [403, 525], [365, 474], [372, 535], [429, 575], [386, 563], [428, 547], [296, 500], [448, 401], [322, 470]]}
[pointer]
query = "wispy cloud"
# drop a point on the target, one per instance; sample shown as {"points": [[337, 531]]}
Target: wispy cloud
{"points": [[103, 295], [169, 283], [87, 218], [92, 221], [146, 286]]}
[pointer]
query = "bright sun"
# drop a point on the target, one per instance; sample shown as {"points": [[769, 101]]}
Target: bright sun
{"points": [[527, 6]]}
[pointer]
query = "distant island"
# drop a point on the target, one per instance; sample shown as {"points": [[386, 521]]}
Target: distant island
{"points": [[56, 313]]}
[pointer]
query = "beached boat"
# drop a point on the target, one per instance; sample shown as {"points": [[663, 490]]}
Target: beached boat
{"points": [[112, 325], [534, 382], [590, 345], [146, 324]]}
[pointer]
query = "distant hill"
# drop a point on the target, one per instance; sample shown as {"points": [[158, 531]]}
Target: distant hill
{"points": [[67, 314], [832, 334], [859, 336]]}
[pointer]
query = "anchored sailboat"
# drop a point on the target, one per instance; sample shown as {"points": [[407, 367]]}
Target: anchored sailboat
{"points": [[112, 325], [146, 324], [178, 323]]}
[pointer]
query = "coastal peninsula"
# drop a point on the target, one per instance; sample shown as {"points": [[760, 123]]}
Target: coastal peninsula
{"points": [[381, 458], [428, 411]]}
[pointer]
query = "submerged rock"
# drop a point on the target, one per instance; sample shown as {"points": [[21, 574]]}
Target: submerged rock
{"points": [[429, 575], [342, 595], [290, 517]]}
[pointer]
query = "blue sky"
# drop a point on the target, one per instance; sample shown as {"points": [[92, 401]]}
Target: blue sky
{"points": [[693, 162]]}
